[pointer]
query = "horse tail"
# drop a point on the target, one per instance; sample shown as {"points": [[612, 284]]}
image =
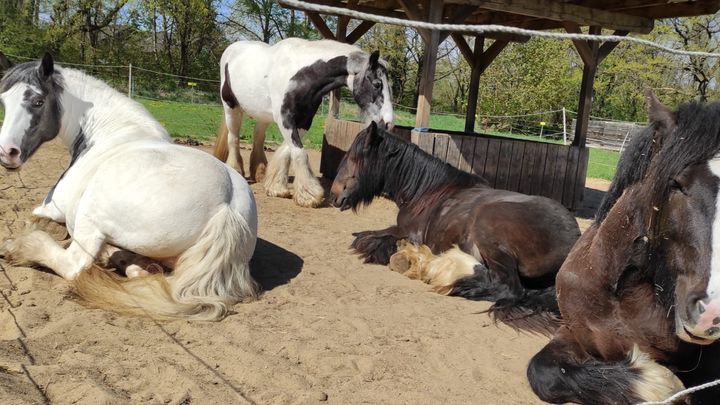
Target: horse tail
{"points": [[209, 277], [557, 376], [532, 310], [221, 141]]}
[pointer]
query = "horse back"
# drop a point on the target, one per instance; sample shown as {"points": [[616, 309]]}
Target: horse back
{"points": [[532, 233]]}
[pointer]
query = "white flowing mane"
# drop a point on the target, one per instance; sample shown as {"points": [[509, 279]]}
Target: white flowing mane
{"points": [[111, 113]]}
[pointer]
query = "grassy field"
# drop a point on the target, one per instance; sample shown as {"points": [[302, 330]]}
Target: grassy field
{"points": [[200, 121]]}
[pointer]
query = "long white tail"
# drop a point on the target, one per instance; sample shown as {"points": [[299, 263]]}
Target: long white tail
{"points": [[209, 277]]}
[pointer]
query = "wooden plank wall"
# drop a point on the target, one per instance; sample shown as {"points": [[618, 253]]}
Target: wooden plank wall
{"points": [[551, 170], [535, 168]]}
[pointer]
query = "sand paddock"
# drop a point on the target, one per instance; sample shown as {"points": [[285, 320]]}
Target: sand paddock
{"points": [[327, 329]]}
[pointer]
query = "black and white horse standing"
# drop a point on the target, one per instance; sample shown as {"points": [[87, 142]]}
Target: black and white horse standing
{"points": [[285, 83]]}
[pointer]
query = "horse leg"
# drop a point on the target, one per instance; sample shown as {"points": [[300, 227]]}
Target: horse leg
{"points": [[308, 191], [38, 247], [441, 272], [562, 372], [233, 121], [276, 177], [258, 161], [377, 246], [497, 280], [127, 262]]}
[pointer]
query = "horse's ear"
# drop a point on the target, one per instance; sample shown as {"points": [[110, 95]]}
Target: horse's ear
{"points": [[373, 137], [47, 66], [5, 63], [374, 57], [659, 114]]}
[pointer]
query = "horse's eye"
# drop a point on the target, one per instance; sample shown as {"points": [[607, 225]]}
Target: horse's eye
{"points": [[377, 84], [38, 102], [676, 186]]}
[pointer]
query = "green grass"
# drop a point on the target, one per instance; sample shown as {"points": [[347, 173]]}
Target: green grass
{"points": [[602, 163], [200, 121]]}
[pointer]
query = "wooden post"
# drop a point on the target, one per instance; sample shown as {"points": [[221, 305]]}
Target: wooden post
{"points": [[586, 91], [427, 78], [340, 35], [476, 71]]}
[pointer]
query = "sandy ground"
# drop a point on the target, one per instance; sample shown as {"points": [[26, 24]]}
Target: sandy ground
{"points": [[327, 329]]}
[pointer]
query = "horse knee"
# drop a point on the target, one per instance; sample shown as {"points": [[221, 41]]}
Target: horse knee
{"points": [[373, 248], [549, 379]]}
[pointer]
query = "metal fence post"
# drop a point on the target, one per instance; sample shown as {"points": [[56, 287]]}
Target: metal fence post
{"points": [[130, 80]]}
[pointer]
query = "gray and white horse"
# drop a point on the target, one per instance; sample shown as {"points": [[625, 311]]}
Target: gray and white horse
{"points": [[128, 187], [285, 83]]}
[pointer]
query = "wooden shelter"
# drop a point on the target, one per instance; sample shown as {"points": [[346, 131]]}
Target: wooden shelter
{"points": [[556, 171]]}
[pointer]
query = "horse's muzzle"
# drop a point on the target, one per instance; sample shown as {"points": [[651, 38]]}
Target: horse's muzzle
{"points": [[702, 325], [12, 165], [339, 201]]}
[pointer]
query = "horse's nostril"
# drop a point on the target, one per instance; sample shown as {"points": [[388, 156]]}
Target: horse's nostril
{"points": [[14, 152]]}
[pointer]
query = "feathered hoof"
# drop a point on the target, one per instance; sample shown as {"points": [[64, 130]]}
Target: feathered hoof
{"points": [[655, 383], [310, 196], [276, 190], [13, 250]]}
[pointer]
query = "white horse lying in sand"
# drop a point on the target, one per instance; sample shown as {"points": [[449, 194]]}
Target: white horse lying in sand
{"points": [[128, 187]]}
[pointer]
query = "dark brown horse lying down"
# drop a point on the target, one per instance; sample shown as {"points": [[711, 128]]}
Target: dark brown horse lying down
{"points": [[640, 292], [513, 244]]}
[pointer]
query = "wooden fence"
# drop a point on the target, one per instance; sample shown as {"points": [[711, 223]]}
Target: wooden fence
{"points": [[610, 135], [529, 167]]}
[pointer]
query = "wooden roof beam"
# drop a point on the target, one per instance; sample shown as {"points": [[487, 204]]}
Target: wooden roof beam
{"points": [[319, 23], [458, 17], [559, 11], [413, 12], [359, 31]]}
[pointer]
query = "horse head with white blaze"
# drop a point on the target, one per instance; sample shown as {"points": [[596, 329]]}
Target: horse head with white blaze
{"points": [[127, 188], [285, 83]]}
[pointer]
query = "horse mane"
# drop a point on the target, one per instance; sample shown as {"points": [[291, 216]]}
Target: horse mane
{"points": [[396, 168], [112, 112], [631, 169]]}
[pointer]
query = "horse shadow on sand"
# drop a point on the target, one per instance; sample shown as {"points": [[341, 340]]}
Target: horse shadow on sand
{"points": [[590, 203], [273, 266]]}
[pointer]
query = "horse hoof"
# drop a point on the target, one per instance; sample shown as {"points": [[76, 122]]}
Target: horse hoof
{"points": [[399, 263], [134, 270], [310, 197], [278, 192]]}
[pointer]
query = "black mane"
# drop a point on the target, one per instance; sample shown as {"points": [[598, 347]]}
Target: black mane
{"points": [[658, 154], [632, 167], [393, 167]]}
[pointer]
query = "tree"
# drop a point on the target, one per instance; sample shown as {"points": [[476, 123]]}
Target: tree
{"points": [[266, 21], [698, 34]]}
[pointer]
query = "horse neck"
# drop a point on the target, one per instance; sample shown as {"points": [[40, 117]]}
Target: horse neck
{"points": [[99, 112], [417, 180]]}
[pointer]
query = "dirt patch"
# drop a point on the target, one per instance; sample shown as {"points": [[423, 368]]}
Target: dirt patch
{"points": [[327, 329]]}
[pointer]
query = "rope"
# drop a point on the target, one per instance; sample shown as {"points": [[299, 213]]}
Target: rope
{"points": [[484, 29], [683, 393]]}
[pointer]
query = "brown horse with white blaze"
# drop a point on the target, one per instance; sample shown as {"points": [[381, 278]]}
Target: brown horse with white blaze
{"points": [[510, 245], [639, 292]]}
